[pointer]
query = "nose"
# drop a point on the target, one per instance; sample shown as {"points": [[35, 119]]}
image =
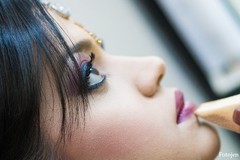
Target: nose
{"points": [[151, 72], [142, 73]]}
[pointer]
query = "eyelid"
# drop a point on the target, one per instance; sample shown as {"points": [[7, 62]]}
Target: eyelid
{"points": [[90, 74], [82, 58]]}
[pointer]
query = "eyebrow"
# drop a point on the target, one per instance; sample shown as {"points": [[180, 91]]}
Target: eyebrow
{"points": [[82, 45]]}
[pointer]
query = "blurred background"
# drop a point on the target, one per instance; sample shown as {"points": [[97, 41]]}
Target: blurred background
{"points": [[198, 39]]}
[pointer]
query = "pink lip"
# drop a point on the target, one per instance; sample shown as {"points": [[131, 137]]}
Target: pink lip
{"points": [[184, 110]]}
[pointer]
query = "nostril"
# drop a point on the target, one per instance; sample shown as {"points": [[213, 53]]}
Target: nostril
{"points": [[160, 79], [149, 90], [161, 69], [151, 74]]}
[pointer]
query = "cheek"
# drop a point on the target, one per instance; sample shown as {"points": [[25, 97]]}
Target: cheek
{"points": [[120, 132]]}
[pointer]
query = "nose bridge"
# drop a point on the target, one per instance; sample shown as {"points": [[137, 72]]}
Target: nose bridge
{"points": [[152, 72]]}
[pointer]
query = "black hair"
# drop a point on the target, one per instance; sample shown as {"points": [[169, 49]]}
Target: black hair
{"points": [[31, 44]]}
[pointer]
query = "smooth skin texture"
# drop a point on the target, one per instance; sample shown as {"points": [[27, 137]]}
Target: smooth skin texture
{"points": [[131, 116]]}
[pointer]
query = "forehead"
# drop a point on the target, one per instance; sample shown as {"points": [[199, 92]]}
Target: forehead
{"points": [[70, 31]]}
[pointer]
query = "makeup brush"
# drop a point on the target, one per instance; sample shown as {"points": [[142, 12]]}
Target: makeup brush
{"points": [[221, 112]]}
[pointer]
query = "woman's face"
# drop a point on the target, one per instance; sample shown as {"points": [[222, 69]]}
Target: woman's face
{"points": [[131, 116]]}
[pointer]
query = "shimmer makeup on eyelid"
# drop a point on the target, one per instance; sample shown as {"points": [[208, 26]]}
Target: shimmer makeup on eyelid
{"points": [[82, 58], [90, 74]]}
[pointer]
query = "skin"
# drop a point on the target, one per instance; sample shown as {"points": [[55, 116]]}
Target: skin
{"points": [[131, 116], [236, 116]]}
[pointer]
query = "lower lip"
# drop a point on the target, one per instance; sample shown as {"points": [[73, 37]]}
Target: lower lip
{"points": [[184, 109]]}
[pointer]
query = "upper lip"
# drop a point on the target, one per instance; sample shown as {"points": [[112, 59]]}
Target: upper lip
{"points": [[179, 102], [184, 110]]}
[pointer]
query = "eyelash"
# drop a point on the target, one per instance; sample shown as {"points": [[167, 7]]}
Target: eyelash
{"points": [[88, 69]]}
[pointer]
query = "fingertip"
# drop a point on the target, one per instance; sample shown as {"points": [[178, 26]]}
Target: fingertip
{"points": [[236, 116]]}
